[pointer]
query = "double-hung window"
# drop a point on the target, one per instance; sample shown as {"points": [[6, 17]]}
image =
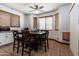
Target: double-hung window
{"points": [[41, 23], [45, 23]]}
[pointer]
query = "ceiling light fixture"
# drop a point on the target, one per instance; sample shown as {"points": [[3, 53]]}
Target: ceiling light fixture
{"points": [[36, 11], [36, 8]]}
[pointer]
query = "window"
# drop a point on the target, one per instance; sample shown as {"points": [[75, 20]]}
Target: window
{"points": [[45, 23], [42, 23], [49, 23], [4, 19], [35, 22], [15, 20], [56, 22], [8, 19]]}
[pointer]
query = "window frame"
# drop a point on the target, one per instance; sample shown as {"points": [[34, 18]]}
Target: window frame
{"points": [[45, 21]]}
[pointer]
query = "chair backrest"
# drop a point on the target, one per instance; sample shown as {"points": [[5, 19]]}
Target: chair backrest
{"points": [[45, 36], [15, 35], [26, 35], [26, 28]]}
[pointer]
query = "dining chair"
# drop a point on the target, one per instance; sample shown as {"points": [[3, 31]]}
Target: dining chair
{"points": [[26, 29], [47, 34], [44, 40], [27, 43], [17, 40]]}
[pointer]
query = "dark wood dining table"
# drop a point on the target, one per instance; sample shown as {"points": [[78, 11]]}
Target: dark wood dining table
{"points": [[37, 32], [37, 35]]}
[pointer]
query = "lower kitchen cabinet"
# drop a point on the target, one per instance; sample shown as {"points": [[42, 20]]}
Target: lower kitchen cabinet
{"points": [[5, 38]]}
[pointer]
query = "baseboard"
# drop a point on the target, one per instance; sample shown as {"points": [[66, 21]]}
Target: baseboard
{"points": [[59, 41], [72, 52], [6, 44]]}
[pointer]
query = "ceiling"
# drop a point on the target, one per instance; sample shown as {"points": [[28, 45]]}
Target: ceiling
{"points": [[24, 7]]}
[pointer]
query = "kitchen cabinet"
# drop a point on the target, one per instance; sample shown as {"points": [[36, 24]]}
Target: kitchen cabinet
{"points": [[5, 38]]}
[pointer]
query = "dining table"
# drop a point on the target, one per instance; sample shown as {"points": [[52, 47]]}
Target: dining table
{"points": [[37, 36]]}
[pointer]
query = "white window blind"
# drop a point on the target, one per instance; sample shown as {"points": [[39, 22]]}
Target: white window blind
{"points": [[42, 23], [48, 23]]}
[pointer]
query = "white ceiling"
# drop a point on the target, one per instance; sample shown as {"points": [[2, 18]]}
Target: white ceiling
{"points": [[24, 7]]}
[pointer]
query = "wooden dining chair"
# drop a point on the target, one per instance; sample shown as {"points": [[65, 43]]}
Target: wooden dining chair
{"points": [[27, 42], [17, 40], [47, 34], [26, 29], [44, 40]]}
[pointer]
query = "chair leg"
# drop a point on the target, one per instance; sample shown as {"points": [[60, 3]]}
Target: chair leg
{"points": [[47, 44], [14, 45], [45, 47], [18, 47], [29, 51], [22, 49]]}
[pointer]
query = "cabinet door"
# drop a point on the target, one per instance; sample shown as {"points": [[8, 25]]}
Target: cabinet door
{"points": [[6, 38], [9, 38], [2, 39]]}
